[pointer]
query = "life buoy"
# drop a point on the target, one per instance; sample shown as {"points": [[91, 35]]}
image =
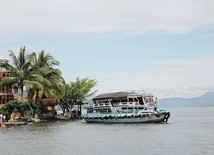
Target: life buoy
{"points": [[166, 117]]}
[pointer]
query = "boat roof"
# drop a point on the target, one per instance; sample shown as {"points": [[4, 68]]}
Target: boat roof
{"points": [[114, 95], [118, 95]]}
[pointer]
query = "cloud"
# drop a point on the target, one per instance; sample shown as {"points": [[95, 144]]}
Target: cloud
{"points": [[183, 78], [182, 72], [106, 16], [181, 92], [167, 78]]}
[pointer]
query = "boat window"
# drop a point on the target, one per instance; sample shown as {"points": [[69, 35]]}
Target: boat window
{"points": [[124, 100], [135, 99], [140, 107], [140, 100], [147, 100], [130, 99], [115, 100], [90, 110]]}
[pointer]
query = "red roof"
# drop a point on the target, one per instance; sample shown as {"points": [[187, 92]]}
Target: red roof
{"points": [[49, 102]]}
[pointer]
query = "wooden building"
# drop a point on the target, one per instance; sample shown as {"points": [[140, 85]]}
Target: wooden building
{"points": [[11, 92], [49, 106], [6, 91]]}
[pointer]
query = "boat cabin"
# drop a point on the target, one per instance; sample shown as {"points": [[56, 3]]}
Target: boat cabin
{"points": [[122, 102]]}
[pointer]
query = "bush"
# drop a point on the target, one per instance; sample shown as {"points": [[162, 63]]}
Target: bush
{"points": [[16, 106]]}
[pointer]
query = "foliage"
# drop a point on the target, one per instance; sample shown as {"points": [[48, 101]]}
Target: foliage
{"points": [[20, 71], [37, 73], [17, 106], [49, 77], [79, 90]]}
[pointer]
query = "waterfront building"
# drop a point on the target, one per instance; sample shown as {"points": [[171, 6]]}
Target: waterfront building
{"points": [[9, 91], [6, 93], [12, 92], [49, 107]]}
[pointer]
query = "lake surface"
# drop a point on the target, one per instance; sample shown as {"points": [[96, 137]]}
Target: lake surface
{"points": [[189, 131]]}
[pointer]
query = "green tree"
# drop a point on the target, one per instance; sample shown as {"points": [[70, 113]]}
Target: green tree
{"points": [[17, 106], [20, 71], [36, 73], [79, 90], [51, 79]]}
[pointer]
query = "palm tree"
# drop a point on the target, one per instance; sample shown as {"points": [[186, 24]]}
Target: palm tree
{"points": [[79, 90], [20, 71], [50, 78], [36, 74]]}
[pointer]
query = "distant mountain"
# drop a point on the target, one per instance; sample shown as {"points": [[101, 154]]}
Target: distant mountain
{"points": [[207, 95], [205, 100]]}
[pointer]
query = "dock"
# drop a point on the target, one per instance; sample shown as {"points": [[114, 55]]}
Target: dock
{"points": [[7, 124]]}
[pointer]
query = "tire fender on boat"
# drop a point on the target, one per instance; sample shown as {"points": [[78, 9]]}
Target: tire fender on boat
{"points": [[166, 117], [157, 115], [149, 115]]}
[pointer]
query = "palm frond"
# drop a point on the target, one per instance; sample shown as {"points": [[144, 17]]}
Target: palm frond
{"points": [[7, 80], [14, 58]]}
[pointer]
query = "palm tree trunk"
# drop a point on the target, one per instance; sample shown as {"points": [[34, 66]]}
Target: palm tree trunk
{"points": [[36, 101], [37, 95], [21, 93]]}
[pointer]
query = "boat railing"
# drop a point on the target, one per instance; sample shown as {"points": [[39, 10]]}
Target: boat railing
{"points": [[115, 112]]}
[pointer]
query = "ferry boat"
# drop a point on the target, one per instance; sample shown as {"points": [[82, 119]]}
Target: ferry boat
{"points": [[124, 107]]}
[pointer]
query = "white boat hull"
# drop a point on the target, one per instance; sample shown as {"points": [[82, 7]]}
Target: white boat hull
{"points": [[156, 118]]}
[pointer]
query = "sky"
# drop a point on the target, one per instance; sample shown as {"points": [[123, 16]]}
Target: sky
{"points": [[165, 47]]}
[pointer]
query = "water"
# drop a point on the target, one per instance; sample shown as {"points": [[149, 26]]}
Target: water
{"points": [[189, 131]]}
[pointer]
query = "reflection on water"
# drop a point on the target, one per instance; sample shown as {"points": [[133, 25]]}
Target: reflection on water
{"points": [[189, 131]]}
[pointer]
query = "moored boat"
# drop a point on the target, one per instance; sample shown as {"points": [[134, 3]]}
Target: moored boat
{"points": [[124, 107]]}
